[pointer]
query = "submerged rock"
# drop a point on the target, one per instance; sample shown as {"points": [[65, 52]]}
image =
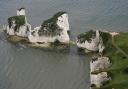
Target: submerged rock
{"points": [[98, 80], [91, 41], [99, 63]]}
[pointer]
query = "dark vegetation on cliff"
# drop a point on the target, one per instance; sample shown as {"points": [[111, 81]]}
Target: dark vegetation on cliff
{"points": [[86, 36], [50, 27], [92, 34], [20, 20], [54, 18], [105, 37]]}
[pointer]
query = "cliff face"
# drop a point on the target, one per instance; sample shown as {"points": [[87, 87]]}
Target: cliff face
{"points": [[18, 24], [99, 63], [91, 41], [97, 80], [51, 30]]}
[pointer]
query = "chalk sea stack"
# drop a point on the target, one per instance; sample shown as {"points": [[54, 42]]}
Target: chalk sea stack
{"points": [[52, 31], [92, 41], [18, 25]]}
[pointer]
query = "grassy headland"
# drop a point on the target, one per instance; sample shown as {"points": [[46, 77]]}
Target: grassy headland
{"points": [[117, 51]]}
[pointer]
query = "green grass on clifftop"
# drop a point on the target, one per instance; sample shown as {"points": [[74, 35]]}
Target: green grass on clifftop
{"points": [[122, 41], [119, 68]]}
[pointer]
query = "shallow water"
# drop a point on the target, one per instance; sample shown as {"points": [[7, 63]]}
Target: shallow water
{"points": [[27, 68]]}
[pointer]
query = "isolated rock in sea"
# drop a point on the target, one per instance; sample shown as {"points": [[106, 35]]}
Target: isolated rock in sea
{"points": [[91, 41], [18, 25], [99, 63], [98, 80], [52, 30]]}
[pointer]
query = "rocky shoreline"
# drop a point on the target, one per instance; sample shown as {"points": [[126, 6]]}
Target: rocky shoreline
{"points": [[24, 41]]}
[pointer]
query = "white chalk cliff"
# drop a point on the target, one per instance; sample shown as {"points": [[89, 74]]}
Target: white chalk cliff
{"points": [[52, 30], [91, 41], [99, 63], [99, 79], [18, 25]]}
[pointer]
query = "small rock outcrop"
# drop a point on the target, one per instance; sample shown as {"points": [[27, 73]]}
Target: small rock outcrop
{"points": [[91, 41], [99, 63], [98, 80]]}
